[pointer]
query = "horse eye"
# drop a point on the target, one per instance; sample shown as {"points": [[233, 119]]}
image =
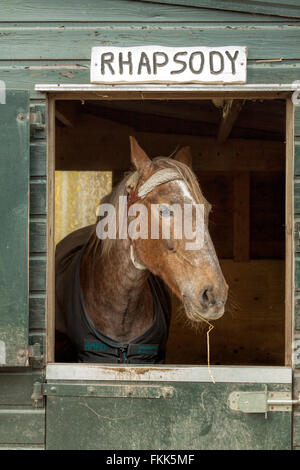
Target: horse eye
{"points": [[165, 211]]}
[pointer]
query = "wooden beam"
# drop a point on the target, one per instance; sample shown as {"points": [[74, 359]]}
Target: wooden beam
{"points": [[230, 113], [218, 102], [289, 234], [241, 223], [50, 300], [62, 118], [104, 145]]}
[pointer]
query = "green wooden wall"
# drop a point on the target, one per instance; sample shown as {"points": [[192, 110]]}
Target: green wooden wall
{"points": [[50, 42], [297, 272]]}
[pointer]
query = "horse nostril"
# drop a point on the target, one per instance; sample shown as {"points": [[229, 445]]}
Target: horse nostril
{"points": [[207, 297]]}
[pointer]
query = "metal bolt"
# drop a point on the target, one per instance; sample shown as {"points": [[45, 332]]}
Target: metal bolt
{"points": [[168, 393], [53, 389]]}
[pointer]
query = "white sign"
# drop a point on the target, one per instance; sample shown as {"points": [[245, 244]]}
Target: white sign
{"points": [[146, 64]]}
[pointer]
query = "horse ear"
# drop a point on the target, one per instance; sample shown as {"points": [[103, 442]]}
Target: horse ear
{"points": [[184, 155], [139, 158]]}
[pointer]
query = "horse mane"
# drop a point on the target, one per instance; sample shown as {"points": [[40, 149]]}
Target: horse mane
{"points": [[104, 247]]}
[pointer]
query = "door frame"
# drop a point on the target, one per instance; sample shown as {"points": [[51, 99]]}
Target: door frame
{"points": [[55, 92]]}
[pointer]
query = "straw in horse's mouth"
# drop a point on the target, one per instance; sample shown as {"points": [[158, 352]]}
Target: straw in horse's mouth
{"points": [[210, 328], [194, 313]]}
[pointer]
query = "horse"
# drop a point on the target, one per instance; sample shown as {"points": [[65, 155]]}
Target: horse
{"points": [[113, 293]]}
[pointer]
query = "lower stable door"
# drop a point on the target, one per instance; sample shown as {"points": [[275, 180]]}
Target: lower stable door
{"points": [[167, 407]]}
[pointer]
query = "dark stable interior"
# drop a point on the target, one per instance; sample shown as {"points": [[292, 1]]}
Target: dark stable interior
{"points": [[238, 149]]}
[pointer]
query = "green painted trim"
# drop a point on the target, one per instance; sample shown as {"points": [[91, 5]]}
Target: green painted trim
{"points": [[16, 388], [297, 157], [297, 195], [14, 179], [22, 426], [196, 417], [38, 159], [38, 192], [37, 311], [26, 74], [74, 41], [37, 273], [297, 122], [297, 310], [118, 10], [38, 235], [285, 8]]}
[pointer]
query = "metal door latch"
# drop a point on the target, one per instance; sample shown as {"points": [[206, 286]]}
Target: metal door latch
{"points": [[261, 401], [37, 395]]}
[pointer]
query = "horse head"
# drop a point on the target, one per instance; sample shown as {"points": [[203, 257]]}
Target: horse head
{"points": [[193, 274]]}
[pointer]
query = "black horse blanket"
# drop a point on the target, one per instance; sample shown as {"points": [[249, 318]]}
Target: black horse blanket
{"points": [[88, 343]]}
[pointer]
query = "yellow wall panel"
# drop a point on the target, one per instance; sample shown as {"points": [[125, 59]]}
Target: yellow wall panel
{"points": [[77, 194]]}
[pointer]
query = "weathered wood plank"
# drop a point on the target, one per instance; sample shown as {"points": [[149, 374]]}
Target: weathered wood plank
{"points": [[202, 411], [16, 388], [38, 196], [297, 271], [37, 122], [37, 273], [297, 311], [22, 447], [297, 234], [38, 235], [38, 159], [284, 8], [14, 178], [267, 209], [297, 157], [297, 120], [37, 311], [90, 132], [50, 306], [296, 414], [22, 426], [289, 227], [296, 429], [263, 42], [297, 195], [119, 11], [241, 241], [25, 75]]}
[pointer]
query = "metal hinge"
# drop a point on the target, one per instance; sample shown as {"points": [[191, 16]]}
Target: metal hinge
{"points": [[35, 355], [37, 119], [31, 356], [108, 390], [37, 122], [261, 401]]}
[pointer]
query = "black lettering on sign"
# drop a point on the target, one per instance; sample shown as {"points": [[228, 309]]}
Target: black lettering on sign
{"points": [[212, 65], [106, 59], [125, 62], [232, 60], [191, 62], [177, 61], [144, 62], [159, 64]]}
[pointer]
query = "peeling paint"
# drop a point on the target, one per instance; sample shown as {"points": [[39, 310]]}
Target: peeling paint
{"points": [[2, 352]]}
